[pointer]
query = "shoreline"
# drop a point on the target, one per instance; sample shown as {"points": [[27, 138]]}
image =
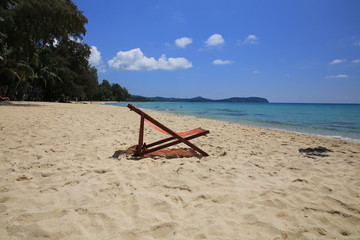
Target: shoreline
{"points": [[247, 124], [56, 170]]}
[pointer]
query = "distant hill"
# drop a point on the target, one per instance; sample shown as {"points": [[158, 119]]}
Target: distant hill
{"points": [[201, 99], [245, 100]]}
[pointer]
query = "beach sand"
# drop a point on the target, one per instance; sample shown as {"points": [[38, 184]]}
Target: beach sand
{"points": [[59, 181]]}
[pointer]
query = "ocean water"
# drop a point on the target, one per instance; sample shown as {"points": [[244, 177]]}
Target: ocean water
{"points": [[335, 120]]}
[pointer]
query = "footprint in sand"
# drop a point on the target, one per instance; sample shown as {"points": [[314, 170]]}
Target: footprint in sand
{"points": [[46, 174], [101, 171], [4, 199], [23, 178]]}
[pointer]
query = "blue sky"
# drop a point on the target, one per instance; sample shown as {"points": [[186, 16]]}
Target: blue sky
{"points": [[285, 51]]}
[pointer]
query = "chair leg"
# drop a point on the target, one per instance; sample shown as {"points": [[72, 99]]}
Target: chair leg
{"points": [[140, 147]]}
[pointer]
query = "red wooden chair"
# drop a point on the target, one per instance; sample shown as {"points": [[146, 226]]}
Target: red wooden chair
{"points": [[176, 138]]}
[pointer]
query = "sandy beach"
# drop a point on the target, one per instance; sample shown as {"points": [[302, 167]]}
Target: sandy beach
{"points": [[59, 181]]}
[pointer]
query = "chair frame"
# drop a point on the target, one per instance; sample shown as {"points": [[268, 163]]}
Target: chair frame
{"points": [[143, 148]]}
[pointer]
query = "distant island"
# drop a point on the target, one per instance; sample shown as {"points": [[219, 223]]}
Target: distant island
{"points": [[199, 99]]}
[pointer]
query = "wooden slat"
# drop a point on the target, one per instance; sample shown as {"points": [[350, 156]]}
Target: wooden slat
{"points": [[176, 142]]}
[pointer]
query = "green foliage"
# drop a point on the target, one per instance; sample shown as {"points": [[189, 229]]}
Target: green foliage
{"points": [[111, 92], [134, 98], [40, 58], [12, 73], [28, 23]]}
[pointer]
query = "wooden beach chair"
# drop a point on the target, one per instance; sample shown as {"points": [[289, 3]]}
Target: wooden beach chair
{"points": [[142, 148]]}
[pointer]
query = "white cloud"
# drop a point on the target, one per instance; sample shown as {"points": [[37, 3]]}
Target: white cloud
{"points": [[136, 61], [356, 43], [95, 58], [182, 42], [221, 62], [356, 61], [215, 40], [255, 72], [338, 76], [250, 39], [178, 17], [56, 42], [101, 68], [337, 61], [76, 39]]}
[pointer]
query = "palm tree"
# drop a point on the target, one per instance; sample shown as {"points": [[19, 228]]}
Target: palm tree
{"points": [[12, 73]]}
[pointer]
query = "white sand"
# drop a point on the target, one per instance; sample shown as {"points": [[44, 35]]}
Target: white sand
{"points": [[57, 180]]}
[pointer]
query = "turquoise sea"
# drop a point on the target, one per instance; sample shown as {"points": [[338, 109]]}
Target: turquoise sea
{"points": [[335, 120]]}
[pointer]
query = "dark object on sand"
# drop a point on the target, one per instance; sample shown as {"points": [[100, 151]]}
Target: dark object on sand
{"points": [[317, 151], [143, 149], [4, 99], [167, 153]]}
